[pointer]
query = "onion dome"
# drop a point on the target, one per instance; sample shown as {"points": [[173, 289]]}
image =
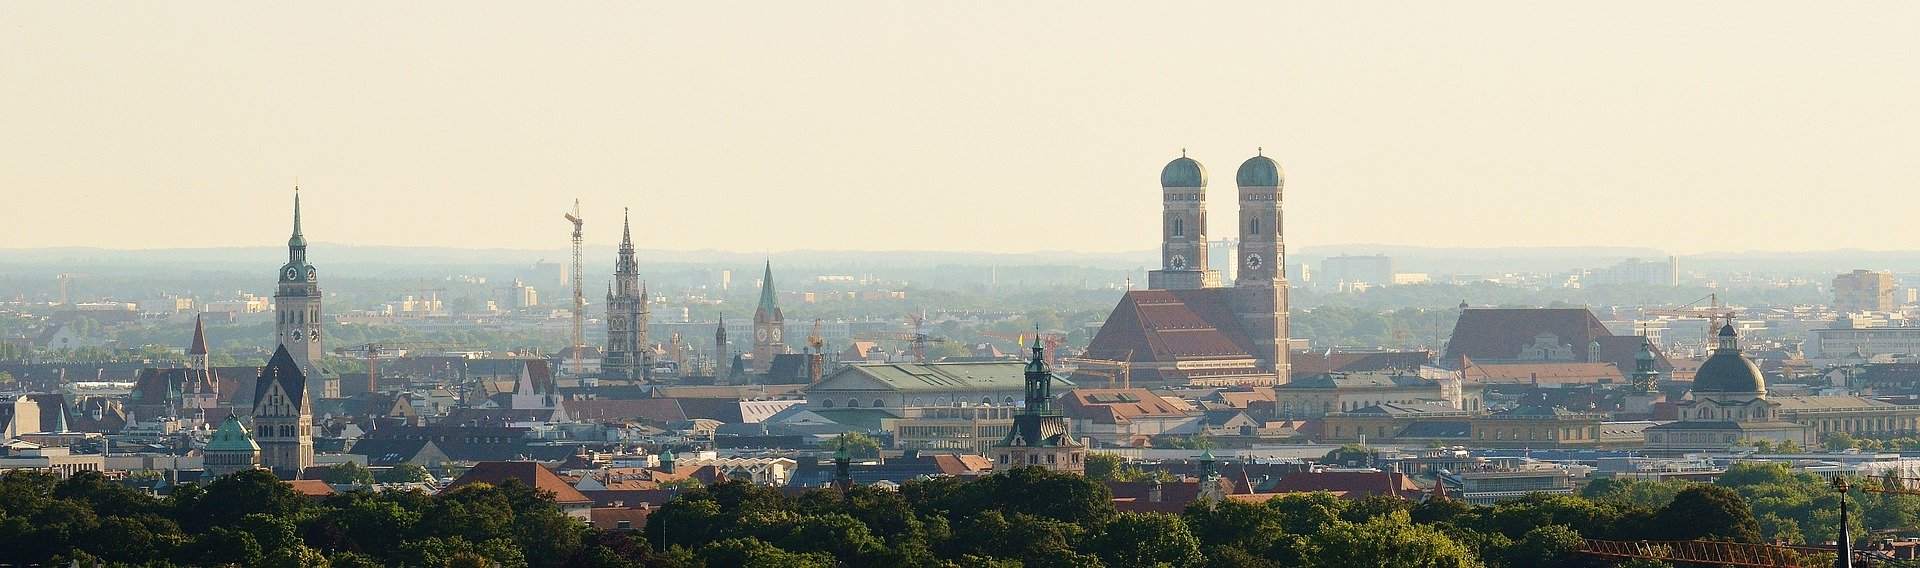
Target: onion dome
{"points": [[1259, 171], [1727, 371], [1183, 172]]}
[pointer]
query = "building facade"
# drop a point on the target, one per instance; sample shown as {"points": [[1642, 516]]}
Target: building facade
{"points": [[283, 416], [1864, 291], [231, 449]]}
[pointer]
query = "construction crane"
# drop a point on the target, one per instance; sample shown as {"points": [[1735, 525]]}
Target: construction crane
{"points": [[1052, 341], [916, 340], [1121, 369], [1715, 314], [579, 292], [373, 351]]}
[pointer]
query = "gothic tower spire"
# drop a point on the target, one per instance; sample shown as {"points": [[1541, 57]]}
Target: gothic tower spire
{"points": [[297, 303], [769, 325], [626, 355]]}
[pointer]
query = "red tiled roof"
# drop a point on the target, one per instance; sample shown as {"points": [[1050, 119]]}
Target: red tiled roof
{"points": [[1172, 325], [530, 473], [1354, 484], [311, 487], [1499, 334], [952, 464], [608, 518], [1116, 406]]}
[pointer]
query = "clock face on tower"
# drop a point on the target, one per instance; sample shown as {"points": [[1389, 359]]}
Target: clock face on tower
{"points": [[313, 275], [761, 333], [293, 273], [314, 336], [296, 335], [1178, 262], [1253, 261]]}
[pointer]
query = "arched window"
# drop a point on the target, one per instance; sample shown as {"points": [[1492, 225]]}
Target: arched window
{"points": [[853, 403], [826, 404], [1179, 227], [986, 401], [1253, 225], [1008, 401], [877, 403]]}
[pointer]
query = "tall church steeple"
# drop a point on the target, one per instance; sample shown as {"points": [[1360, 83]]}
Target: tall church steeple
{"points": [[769, 324], [1260, 287], [297, 307], [1183, 228], [628, 349], [1040, 436]]}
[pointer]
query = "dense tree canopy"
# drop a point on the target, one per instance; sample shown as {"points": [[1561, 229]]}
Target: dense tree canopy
{"points": [[1026, 517]]}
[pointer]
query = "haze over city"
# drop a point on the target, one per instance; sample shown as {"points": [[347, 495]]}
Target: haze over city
{"points": [[1001, 128]]}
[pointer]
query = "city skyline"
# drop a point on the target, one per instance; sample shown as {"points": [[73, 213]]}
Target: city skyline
{"points": [[1694, 128]]}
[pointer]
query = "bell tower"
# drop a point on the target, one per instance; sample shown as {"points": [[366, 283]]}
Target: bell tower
{"points": [[1260, 287], [1183, 228], [297, 306], [768, 325]]}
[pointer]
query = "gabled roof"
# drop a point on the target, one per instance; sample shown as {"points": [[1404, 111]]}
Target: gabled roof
{"points": [[1172, 325], [283, 371], [1119, 406], [530, 473], [1500, 334]]}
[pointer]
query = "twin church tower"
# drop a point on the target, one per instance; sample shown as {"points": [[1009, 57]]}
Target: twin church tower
{"points": [[1188, 327]]}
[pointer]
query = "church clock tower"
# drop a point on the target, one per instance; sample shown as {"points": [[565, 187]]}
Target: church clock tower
{"points": [[1260, 288], [297, 303], [768, 325], [1183, 229]]}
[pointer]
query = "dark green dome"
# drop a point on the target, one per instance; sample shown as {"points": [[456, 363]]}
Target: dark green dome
{"points": [[1727, 370], [1183, 172], [1259, 171]]}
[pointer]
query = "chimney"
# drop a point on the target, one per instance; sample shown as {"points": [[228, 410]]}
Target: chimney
{"points": [[1154, 494]]}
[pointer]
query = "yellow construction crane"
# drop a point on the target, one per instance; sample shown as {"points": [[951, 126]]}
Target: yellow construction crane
{"points": [[579, 293], [1715, 314]]}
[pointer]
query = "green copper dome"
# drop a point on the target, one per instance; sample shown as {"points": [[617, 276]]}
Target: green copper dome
{"points": [[1183, 172], [1259, 171], [232, 436]]}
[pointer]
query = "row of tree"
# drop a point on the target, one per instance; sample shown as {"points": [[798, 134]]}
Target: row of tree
{"points": [[1027, 517]]}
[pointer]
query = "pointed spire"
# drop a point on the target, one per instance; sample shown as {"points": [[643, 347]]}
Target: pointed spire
{"points": [[297, 240], [769, 305], [199, 346], [626, 230]]}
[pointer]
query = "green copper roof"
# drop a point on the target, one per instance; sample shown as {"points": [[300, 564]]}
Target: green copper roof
{"points": [[232, 436], [768, 306], [1259, 171], [297, 240], [1183, 172]]}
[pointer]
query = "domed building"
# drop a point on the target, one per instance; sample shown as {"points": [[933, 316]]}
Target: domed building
{"points": [[1728, 404]]}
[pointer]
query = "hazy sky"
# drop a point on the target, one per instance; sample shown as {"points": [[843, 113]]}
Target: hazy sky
{"points": [[1687, 126]]}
